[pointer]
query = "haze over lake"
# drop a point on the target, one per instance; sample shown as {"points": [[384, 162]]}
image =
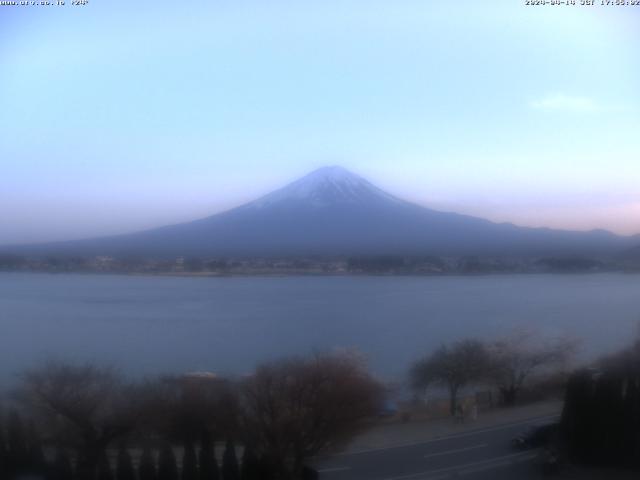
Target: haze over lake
{"points": [[147, 325]]}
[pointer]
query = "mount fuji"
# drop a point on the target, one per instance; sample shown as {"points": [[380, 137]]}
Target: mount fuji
{"points": [[332, 211]]}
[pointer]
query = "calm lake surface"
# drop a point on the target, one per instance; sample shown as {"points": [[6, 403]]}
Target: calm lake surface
{"points": [[146, 325]]}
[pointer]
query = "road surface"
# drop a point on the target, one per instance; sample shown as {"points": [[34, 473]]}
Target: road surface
{"points": [[485, 453]]}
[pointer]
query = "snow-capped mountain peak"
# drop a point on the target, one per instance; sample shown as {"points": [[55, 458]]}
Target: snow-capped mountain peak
{"points": [[335, 212], [327, 186]]}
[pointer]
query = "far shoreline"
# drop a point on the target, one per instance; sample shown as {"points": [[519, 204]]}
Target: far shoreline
{"points": [[204, 275]]}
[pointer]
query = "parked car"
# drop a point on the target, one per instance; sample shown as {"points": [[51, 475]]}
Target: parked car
{"points": [[536, 436], [388, 409]]}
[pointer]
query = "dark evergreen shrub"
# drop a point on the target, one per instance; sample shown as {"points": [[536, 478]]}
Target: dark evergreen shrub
{"points": [[147, 465], [61, 468], [189, 463], [36, 463], [208, 464], [167, 468], [250, 469], [309, 473], [104, 468], [230, 469], [124, 466], [601, 418], [17, 456]]}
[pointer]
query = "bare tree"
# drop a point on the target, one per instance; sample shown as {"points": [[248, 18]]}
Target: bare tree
{"points": [[297, 408], [453, 367], [187, 408], [85, 405], [516, 357]]}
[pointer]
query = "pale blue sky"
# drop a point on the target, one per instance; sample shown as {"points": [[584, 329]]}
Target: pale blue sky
{"points": [[120, 115]]}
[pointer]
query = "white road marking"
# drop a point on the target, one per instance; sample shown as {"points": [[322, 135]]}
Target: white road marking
{"points": [[334, 469], [494, 465], [469, 467], [457, 450]]}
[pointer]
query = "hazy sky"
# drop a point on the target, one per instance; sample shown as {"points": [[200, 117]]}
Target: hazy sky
{"points": [[121, 115]]}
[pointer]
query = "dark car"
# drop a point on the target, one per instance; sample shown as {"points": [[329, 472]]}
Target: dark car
{"points": [[535, 436], [549, 460]]}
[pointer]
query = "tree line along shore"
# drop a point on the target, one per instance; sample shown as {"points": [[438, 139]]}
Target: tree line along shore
{"points": [[312, 265]]}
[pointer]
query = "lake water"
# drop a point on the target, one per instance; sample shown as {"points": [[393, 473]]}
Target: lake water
{"points": [[146, 325]]}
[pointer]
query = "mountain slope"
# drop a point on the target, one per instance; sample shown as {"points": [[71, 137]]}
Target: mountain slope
{"points": [[332, 211]]}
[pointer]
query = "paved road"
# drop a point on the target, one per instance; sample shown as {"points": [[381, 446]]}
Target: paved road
{"points": [[477, 454]]}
